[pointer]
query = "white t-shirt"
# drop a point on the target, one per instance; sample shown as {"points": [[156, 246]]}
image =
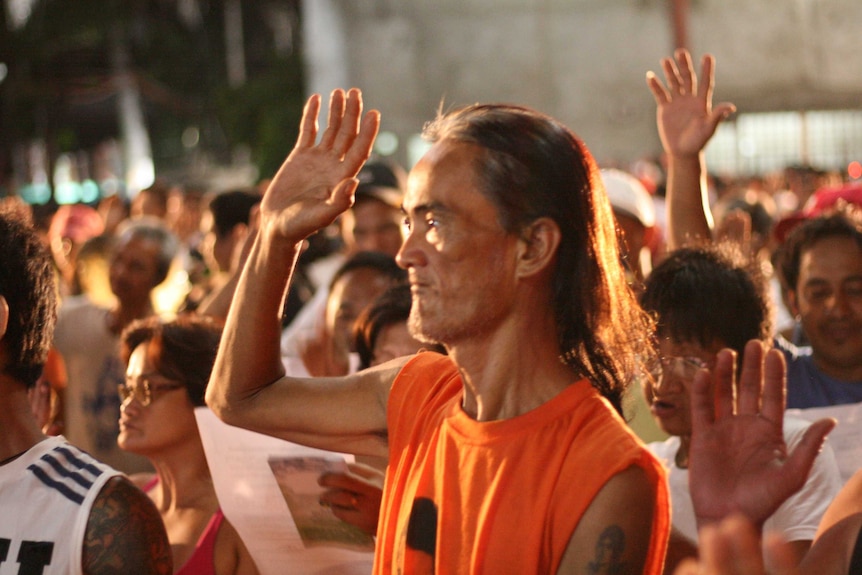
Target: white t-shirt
{"points": [[797, 519]]}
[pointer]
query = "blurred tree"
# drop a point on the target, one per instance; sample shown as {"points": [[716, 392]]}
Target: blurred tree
{"points": [[61, 85]]}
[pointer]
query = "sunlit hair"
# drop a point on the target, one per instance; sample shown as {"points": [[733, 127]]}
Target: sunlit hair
{"points": [[708, 294], [534, 167], [181, 350], [27, 283]]}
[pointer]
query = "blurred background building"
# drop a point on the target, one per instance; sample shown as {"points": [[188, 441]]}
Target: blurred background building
{"points": [[97, 96]]}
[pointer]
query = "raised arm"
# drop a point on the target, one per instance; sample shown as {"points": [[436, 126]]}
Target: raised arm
{"points": [[738, 461], [686, 122], [247, 388]]}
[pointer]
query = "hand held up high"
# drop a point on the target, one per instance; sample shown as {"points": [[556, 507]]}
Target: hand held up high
{"points": [[317, 180], [738, 461], [685, 116]]}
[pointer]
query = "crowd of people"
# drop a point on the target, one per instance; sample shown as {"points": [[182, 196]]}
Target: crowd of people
{"points": [[474, 333]]}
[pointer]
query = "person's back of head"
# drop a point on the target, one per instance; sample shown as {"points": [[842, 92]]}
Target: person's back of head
{"points": [[534, 167], [708, 294], [232, 208], [28, 288]]}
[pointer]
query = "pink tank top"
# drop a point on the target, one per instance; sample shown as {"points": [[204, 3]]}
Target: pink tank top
{"points": [[202, 560]]}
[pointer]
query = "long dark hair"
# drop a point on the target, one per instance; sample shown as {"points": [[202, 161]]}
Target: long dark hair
{"points": [[534, 167]]}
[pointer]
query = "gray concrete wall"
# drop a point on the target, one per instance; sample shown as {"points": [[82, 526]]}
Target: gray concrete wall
{"points": [[584, 61]]}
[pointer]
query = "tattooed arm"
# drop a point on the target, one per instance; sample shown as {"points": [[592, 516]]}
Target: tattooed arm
{"points": [[613, 536], [125, 534]]}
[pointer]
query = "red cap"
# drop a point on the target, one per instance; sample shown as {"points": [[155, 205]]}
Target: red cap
{"points": [[820, 201]]}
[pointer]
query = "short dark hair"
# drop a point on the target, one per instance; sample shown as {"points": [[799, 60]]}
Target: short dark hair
{"points": [[229, 209], [378, 261], [533, 167], [844, 222], [707, 293], [182, 350], [27, 283]]}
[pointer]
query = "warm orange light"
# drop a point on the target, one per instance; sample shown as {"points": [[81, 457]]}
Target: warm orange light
{"points": [[854, 170]]}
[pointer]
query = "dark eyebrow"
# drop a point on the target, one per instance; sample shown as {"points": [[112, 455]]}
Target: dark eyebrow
{"points": [[428, 207]]}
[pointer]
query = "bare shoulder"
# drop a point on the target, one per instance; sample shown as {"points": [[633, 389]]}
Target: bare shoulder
{"points": [[231, 555], [847, 502], [614, 534], [125, 534], [832, 550]]}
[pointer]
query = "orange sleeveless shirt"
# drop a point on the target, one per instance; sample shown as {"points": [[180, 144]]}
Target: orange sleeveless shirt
{"points": [[463, 496]]}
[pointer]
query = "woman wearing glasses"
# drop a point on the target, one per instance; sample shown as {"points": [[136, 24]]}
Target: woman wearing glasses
{"points": [[168, 366], [705, 299]]}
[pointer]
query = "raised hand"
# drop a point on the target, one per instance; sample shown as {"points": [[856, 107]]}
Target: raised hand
{"points": [[685, 116], [316, 182], [738, 461]]}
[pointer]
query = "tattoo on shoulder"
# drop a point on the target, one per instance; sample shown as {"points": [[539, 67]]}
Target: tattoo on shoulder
{"points": [[125, 533], [609, 552]]}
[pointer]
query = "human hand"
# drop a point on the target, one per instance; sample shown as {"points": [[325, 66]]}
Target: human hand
{"points": [[738, 461], [733, 547], [685, 116], [317, 180], [355, 496]]}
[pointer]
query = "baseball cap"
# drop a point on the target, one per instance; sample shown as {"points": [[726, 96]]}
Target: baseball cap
{"points": [[820, 201], [629, 196], [383, 181]]}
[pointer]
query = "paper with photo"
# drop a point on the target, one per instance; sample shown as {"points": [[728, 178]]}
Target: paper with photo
{"points": [[252, 500]]}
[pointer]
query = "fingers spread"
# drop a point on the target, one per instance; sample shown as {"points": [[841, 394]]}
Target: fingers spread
{"points": [[774, 387], [361, 146], [702, 402], [750, 379], [671, 74], [723, 376], [336, 114], [308, 125], [686, 72], [661, 95], [349, 123], [707, 79]]}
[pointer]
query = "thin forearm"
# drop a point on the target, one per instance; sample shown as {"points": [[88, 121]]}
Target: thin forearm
{"points": [[689, 216], [249, 355]]}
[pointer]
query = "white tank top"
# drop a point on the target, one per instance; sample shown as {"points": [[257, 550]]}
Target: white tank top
{"points": [[45, 501]]}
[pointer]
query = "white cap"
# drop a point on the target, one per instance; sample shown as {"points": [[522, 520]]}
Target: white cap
{"points": [[628, 196]]}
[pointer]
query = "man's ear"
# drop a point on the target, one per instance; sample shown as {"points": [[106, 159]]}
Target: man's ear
{"points": [[539, 242], [791, 302], [4, 316]]}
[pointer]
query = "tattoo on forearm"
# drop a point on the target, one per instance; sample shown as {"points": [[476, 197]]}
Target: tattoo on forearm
{"points": [[609, 552]]}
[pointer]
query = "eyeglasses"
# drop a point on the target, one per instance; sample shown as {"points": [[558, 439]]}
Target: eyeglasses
{"points": [[680, 368], [145, 390]]}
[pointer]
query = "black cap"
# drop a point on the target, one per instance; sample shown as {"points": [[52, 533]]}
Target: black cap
{"points": [[382, 181]]}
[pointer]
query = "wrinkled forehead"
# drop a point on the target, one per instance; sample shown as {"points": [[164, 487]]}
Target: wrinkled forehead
{"points": [[448, 168]]}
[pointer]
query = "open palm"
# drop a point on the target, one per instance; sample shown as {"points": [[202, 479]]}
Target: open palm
{"points": [[315, 184], [685, 116], [738, 461]]}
